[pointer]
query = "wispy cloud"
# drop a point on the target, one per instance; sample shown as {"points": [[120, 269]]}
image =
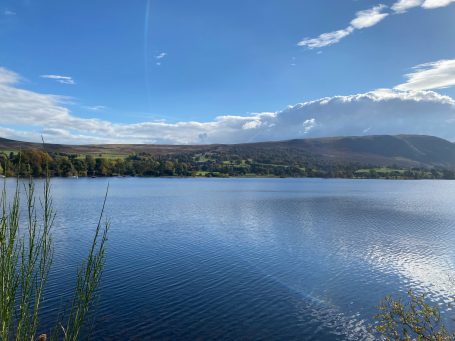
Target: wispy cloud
{"points": [[161, 55], [369, 18], [326, 39], [95, 108], [363, 19], [383, 111], [60, 79], [9, 12], [159, 58], [429, 76]]}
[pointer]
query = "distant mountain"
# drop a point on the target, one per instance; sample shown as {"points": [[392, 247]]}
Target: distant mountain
{"points": [[377, 150]]}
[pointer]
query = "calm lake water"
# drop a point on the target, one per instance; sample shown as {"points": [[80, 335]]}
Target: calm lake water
{"points": [[254, 259]]}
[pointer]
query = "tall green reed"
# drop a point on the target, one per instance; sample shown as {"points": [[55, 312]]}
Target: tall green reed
{"points": [[26, 254]]}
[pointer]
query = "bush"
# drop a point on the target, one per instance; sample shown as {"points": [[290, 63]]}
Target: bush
{"points": [[411, 319]]}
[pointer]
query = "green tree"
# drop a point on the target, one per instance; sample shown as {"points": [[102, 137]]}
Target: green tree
{"points": [[80, 167], [102, 167], [90, 164]]}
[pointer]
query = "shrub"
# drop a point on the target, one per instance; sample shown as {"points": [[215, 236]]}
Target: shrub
{"points": [[411, 319]]}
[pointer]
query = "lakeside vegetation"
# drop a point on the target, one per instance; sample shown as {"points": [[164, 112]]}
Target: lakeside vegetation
{"points": [[196, 164], [411, 318], [26, 257]]}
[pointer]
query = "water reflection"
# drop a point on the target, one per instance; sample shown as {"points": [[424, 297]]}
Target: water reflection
{"points": [[255, 258]]}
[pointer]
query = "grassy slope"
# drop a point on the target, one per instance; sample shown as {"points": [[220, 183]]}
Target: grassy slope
{"points": [[380, 150]]}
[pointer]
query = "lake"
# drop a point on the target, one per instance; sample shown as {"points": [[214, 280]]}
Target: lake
{"points": [[253, 259]]}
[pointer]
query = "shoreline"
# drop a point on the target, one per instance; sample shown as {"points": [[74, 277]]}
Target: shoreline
{"points": [[222, 177]]}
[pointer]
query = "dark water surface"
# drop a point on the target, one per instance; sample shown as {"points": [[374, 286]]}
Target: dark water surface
{"points": [[254, 259]]}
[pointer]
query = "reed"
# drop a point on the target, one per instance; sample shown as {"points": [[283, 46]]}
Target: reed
{"points": [[26, 254], [88, 280]]}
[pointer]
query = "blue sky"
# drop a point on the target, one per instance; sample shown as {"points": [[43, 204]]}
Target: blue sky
{"points": [[169, 71]]}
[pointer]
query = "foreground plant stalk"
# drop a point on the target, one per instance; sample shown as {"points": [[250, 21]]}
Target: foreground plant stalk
{"points": [[26, 254]]}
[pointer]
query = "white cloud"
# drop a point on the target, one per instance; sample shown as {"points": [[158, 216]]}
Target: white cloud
{"points": [[436, 3], [369, 17], [95, 108], [60, 79], [326, 39], [363, 19], [159, 58], [435, 75], [161, 55], [9, 12], [252, 124], [8, 77], [26, 115], [309, 124], [402, 6]]}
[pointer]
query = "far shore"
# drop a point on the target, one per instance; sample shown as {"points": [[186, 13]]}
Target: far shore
{"points": [[222, 177]]}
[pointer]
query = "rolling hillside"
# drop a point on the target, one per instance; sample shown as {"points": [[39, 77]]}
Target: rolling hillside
{"points": [[378, 150]]}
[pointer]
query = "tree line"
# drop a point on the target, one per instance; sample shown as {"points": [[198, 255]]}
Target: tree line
{"points": [[33, 162]]}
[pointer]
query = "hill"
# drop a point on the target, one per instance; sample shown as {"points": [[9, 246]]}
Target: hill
{"points": [[404, 151]]}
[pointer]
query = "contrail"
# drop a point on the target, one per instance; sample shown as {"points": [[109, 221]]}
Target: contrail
{"points": [[146, 51]]}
